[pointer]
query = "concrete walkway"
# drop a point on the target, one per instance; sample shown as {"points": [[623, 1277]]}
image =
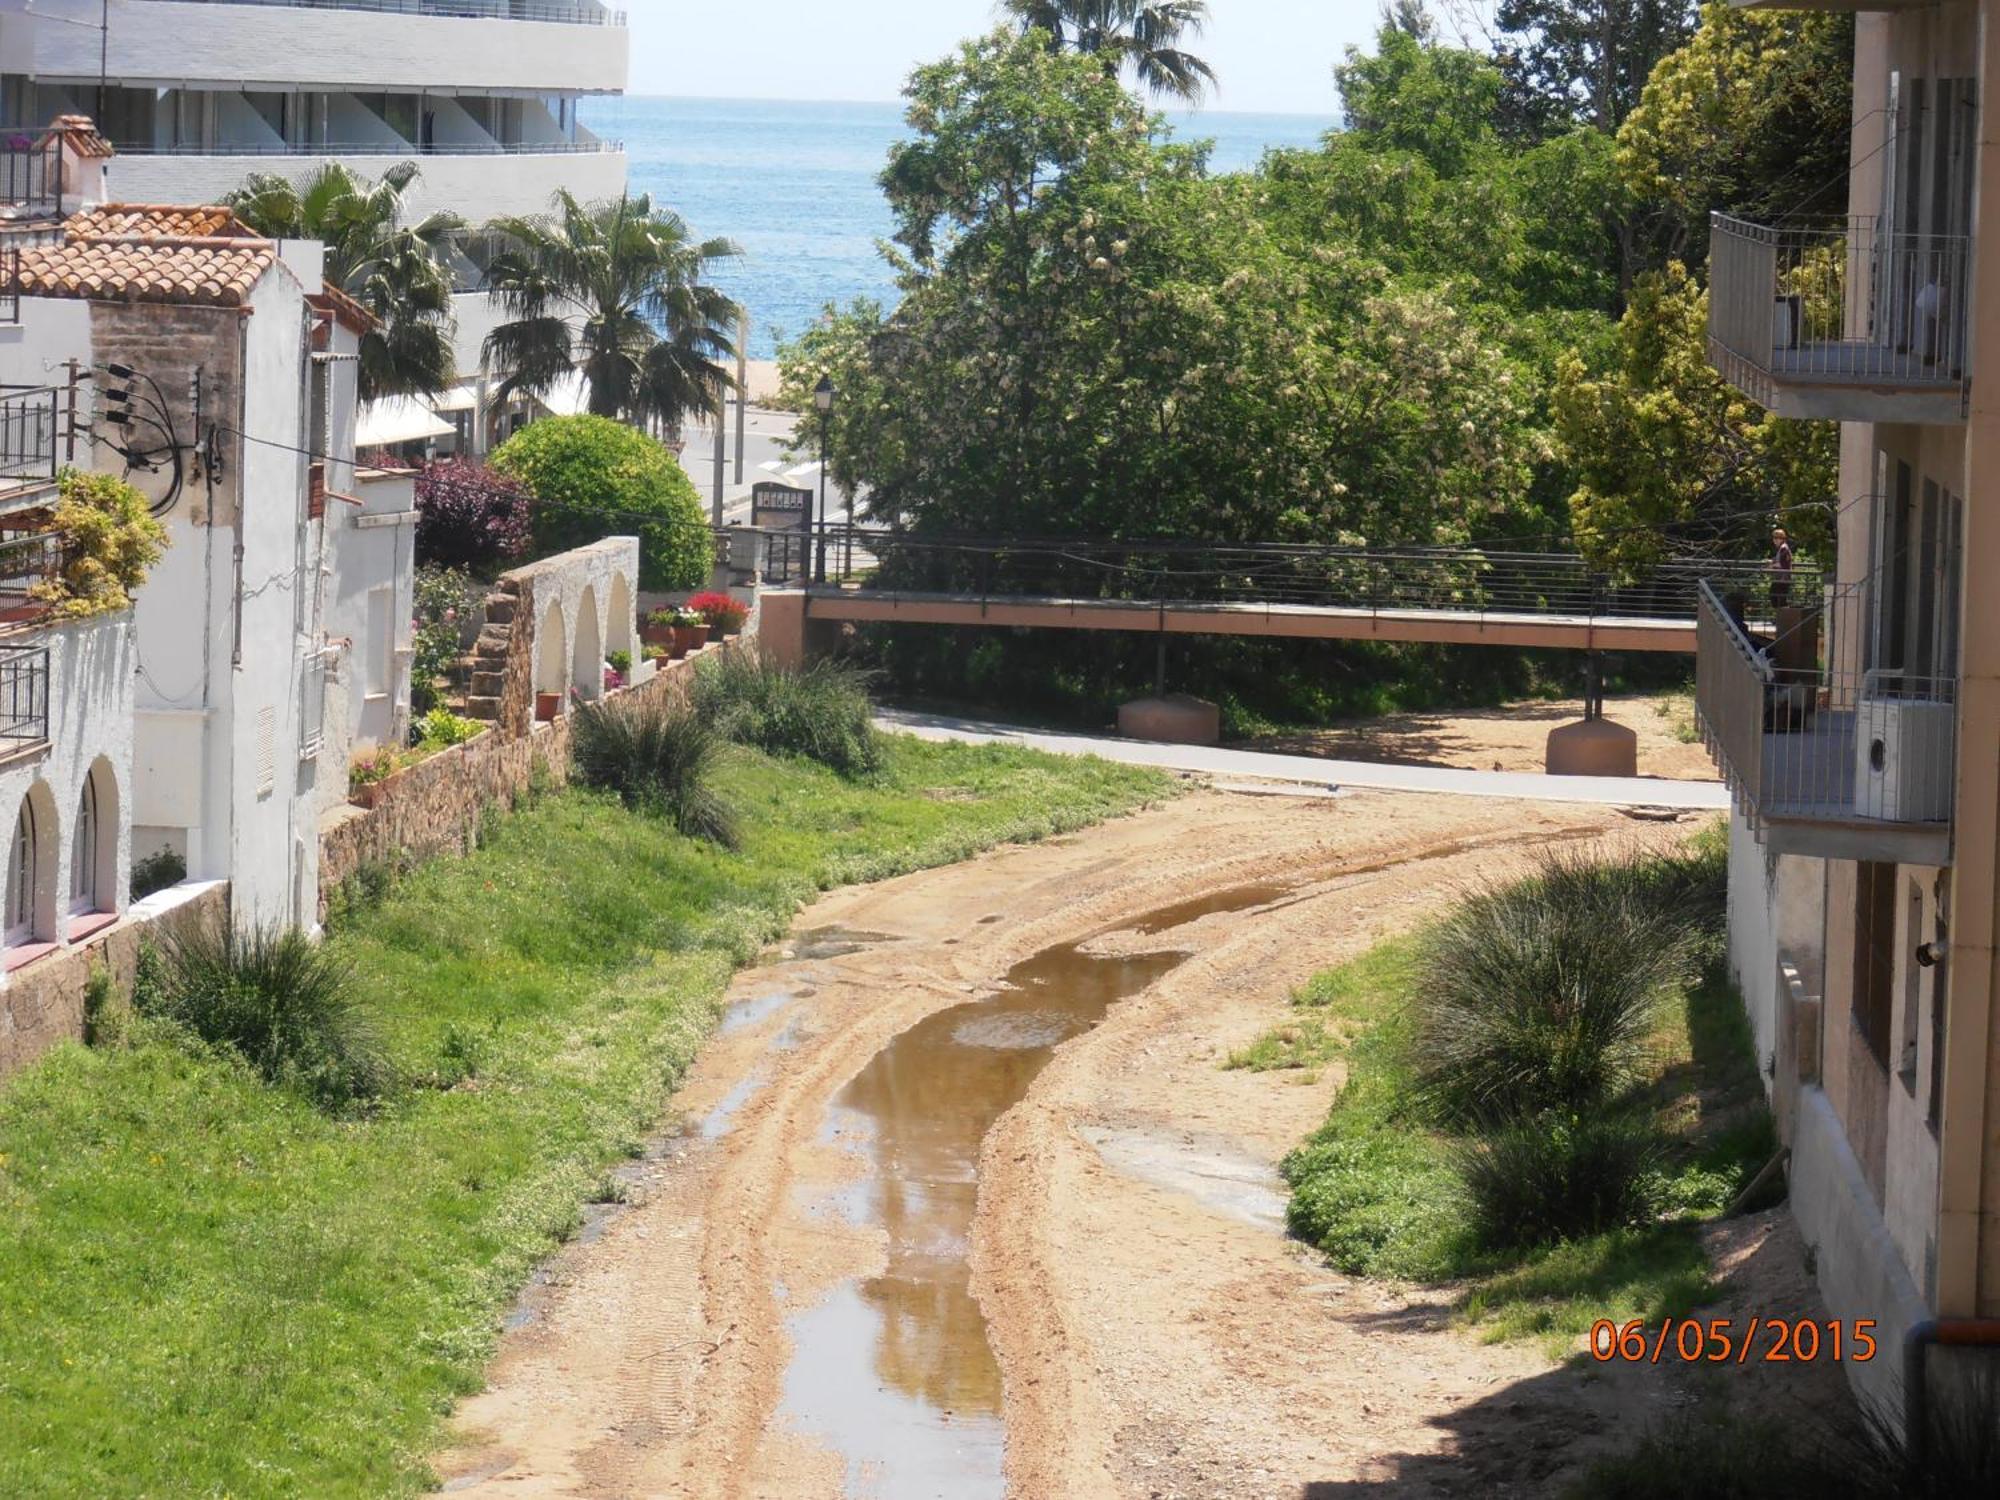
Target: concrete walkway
{"points": [[1615, 791]]}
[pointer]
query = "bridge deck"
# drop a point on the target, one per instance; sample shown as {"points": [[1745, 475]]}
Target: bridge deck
{"points": [[1302, 621]]}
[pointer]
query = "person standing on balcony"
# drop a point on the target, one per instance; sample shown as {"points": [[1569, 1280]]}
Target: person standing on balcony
{"points": [[1781, 569]]}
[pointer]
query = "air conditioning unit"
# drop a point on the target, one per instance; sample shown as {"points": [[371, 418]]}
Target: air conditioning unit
{"points": [[1903, 759]]}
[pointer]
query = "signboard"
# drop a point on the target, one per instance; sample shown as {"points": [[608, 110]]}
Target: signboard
{"points": [[780, 507]]}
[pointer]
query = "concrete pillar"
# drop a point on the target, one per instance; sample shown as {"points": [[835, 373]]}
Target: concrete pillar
{"points": [[781, 626]]}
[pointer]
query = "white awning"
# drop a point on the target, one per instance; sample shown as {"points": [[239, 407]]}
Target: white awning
{"points": [[398, 419], [458, 398]]}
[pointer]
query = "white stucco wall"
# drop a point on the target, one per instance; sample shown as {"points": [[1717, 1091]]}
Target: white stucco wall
{"points": [[371, 604], [582, 587], [160, 43], [479, 187], [90, 730]]}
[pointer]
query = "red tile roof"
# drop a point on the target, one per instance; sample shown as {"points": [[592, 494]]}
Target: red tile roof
{"points": [[150, 252]]}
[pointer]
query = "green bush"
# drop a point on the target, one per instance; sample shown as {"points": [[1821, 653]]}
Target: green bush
{"points": [[443, 596], [1541, 1181], [156, 872], [592, 478], [660, 755], [282, 1001], [821, 711], [440, 729], [1542, 995]]}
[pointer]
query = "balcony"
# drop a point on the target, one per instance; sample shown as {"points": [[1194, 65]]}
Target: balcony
{"points": [[1826, 757], [30, 424], [1847, 321], [582, 14], [24, 698]]}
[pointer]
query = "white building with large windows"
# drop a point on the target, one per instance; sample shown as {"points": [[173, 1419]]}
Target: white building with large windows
{"points": [[196, 95]]}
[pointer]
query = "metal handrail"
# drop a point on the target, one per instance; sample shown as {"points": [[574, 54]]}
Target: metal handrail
{"points": [[29, 422], [471, 10]]}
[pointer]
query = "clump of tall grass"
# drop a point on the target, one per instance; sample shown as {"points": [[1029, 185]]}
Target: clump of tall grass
{"points": [[821, 711], [661, 756], [1541, 1181], [282, 1001], [1541, 996]]}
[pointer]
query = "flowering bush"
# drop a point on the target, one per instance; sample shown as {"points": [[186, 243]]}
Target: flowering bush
{"points": [[471, 516], [372, 766], [110, 540], [443, 595], [725, 613]]}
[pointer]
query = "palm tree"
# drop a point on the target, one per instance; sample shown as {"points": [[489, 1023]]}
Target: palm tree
{"points": [[1145, 33], [614, 291], [399, 272]]}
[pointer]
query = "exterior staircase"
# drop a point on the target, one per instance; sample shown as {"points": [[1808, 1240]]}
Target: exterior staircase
{"points": [[490, 652]]}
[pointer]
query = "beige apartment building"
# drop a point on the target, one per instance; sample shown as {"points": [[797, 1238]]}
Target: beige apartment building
{"points": [[1861, 739]]}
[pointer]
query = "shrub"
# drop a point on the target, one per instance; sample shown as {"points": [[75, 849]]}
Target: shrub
{"points": [[725, 612], [619, 661], [821, 711], [592, 478], [373, 766], [1542, 995], [283, 1002], [471, 516], [660, 756], [110, 540], [442, 598], [1540, 1181], [440, 729], [156, 872]]}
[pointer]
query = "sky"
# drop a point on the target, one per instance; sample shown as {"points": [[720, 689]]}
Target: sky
{"points": [[1272, 56]]}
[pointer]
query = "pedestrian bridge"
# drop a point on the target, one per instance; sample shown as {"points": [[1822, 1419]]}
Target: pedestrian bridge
{"points": [[1448, 596]]}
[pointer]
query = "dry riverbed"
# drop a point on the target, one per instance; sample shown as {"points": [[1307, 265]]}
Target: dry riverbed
{"points": [[966, 1145]]}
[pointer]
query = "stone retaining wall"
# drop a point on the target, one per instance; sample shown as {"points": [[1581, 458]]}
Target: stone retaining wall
{"points": [[43, 1002], [435, 806]]}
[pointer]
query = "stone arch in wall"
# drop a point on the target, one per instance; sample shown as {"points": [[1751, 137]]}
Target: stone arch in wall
{"points": [[33, 855], [93, 852], [586, 668], [618, 634], [551, 653]]}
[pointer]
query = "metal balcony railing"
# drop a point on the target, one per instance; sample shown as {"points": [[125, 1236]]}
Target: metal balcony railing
{"points": [[478, 10], [25, 562], [1805, 730], [1854, 303], [371, 148], [30, 174], [10, 284], [24, 696], [30, 418]]}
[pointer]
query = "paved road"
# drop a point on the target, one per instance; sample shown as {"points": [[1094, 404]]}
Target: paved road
{"points": [[1616, 791], [766, 435]]}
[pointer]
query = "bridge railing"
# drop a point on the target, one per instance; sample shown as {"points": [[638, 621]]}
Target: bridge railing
{"points": [[1465, 580]]}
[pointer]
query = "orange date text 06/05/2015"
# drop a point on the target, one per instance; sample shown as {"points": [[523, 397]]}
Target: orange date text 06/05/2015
{"points": [[1732, 1341]]}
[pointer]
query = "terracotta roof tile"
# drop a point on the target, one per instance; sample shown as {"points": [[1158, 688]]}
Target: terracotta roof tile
{"points": [[149, 252], [82, 136]]}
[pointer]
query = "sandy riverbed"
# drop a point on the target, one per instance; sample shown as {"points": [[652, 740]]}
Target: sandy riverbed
{"points": [[1153, 1333]]}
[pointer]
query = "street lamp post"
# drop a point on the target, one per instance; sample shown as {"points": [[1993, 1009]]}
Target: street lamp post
{"points": [[822, 399]]}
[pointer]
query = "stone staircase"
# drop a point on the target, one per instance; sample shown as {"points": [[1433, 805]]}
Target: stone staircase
{"points": [[491, 651]]}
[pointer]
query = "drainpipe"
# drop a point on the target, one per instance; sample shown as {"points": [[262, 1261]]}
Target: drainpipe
{"points": [[1952, 1333]]}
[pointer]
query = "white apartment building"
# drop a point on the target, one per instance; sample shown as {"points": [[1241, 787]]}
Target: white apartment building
{"points": [[195, 95], [1861, 738]]}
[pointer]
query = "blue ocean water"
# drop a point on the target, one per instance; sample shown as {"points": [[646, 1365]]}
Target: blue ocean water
{"points": [[793, 183]]}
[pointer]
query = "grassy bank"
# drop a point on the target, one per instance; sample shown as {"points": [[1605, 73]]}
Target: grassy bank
{"points": [[213, 1288], [1383, 1186]]}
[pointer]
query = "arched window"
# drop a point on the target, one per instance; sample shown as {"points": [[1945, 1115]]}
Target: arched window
{"points": [[83, 851], [21, 877]]}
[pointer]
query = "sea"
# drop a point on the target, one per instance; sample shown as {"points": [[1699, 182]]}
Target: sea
{"points": [[794, 184]]}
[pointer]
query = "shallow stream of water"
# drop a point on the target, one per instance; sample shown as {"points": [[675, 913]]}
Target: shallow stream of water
{"points": [[895, 1371]]}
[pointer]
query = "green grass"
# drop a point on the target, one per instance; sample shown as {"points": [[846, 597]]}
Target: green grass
{"points": [[1375, 1187], [211, 1288]]}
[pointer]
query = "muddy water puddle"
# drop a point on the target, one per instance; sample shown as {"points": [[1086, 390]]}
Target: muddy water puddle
{"points": [[895, 1371]]}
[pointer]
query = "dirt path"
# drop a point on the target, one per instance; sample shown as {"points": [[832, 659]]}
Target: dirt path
{"points": [[1154, 1334]]}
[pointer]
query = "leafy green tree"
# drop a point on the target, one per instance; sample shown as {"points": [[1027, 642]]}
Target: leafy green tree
{"points": [[1751, 116], [1097, 338], [617, 292], [1670, 457], [1144, 33], [1581, 62], [593, 478], [399, 271]]}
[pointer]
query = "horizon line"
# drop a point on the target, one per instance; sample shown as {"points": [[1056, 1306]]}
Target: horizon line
{"points": [[1295, 114]]}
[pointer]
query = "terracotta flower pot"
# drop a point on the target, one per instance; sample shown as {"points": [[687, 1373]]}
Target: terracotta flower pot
{"points": [[657, 635], [547, 706], [698, 636], [681, 642]]}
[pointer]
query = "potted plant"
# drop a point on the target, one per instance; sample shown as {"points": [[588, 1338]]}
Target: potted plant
{"points": [[547, 706], [617, 667], [367, 774], [690, 633], [657, 629], [725, 613]]}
